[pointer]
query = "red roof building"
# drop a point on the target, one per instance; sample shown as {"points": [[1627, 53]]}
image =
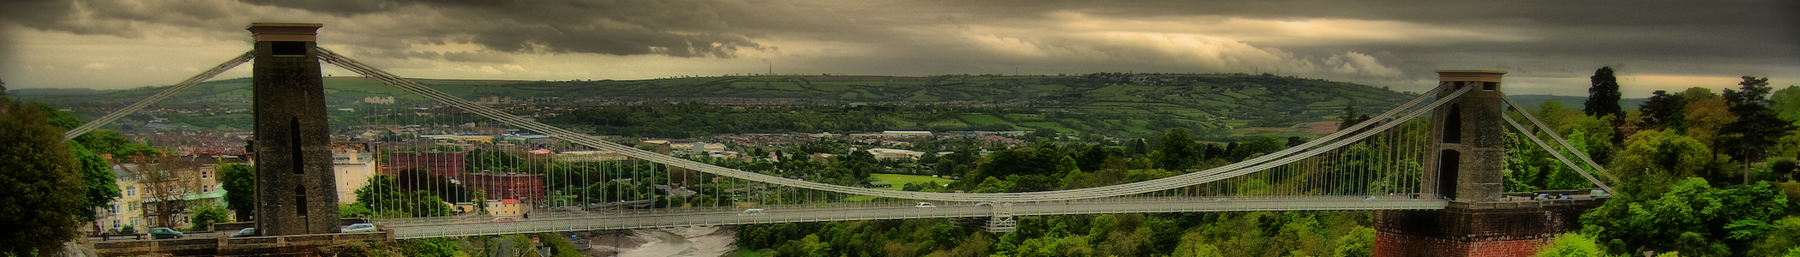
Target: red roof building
{"points": [[440, 164], [506, 186]]}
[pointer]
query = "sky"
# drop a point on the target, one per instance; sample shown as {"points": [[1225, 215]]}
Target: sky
{"points": [[1547, 46]]}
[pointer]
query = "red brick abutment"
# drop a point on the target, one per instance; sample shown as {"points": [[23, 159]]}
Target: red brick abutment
{"points": [[1492, 229]]}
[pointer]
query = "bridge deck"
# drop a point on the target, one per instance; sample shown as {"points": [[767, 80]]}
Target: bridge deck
{"points": [[422, 228]]}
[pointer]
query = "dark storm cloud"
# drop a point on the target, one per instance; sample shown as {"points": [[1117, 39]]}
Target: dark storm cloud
{"points": [[681, 29], [1374, 40], [1756, 30], [1661, 31]]}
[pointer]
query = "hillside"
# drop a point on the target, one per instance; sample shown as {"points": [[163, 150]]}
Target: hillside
{"points": [[1574, 102], [1121, 102]]}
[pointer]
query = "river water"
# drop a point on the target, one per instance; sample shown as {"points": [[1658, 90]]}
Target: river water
{"points": [[707, 241]]}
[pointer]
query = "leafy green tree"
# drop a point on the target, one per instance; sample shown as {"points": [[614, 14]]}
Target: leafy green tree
{"points": [[1603, 95], [1558, 117], [427, 204], [430, 247], [1096, 155], [206, 215], [1653, 160], [992, 185], [1663, 111], [239, 182], [1691, 217], [1757, 126], [41, 182], [382, 196], [1786, 103], [1572, 245], [354, 211], [1179, 151], [1262, 145], [1193, 246], [102, 186], [111, 142], [1359, 242]]}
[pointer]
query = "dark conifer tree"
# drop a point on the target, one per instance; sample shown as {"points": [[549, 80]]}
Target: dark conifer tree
{"points": [[1603, 96]]}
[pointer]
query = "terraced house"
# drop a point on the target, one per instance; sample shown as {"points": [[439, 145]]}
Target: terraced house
{"points": [[159, 191]]}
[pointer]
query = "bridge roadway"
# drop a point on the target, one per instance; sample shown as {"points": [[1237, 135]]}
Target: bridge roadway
{"points": [[660, 218]]}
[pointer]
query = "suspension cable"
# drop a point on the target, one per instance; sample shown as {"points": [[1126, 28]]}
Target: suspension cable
{"points": [[159, 96], [1116, 190]]}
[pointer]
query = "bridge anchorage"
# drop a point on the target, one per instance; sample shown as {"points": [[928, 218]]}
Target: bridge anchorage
{"points": [[459, 167], [1464, 167]]}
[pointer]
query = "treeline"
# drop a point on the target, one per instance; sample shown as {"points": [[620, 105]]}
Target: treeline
{"points": [[1699, 174], [1176, 234], [1704, 174], [699, 119]]}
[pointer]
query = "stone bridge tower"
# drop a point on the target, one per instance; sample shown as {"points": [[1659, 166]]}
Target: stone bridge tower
{"points": [[1464, 167], [295, 189]]}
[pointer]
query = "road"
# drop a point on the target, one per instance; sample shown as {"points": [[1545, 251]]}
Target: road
{"points": [[420, 228]]}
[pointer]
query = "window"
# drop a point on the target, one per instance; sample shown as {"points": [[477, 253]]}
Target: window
{"points": [[287, 48], [134, 222], [300, 200], [114, 209], [115, 223], [205, 174], [1448, 169], [131, 191], [1453, 126]]}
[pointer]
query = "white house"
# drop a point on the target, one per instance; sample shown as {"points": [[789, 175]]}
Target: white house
{"points": [[353, 164]]}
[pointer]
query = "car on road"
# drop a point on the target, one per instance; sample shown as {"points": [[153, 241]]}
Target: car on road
{"points": [[165, 233], [358, 228], [925, 205], [244, 232], [751, 211], [504, 220]]}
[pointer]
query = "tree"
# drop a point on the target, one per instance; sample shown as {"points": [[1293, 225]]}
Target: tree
{"points": [[1603, 95], [1691, 217], [1350, 118], [40, 181], [1571, 245], [1706, 121], [206, 215], [239, 183], [382, 196], [1780, 238], [167, 182], [1359, 242], [1652, 160], [1179, 151], [111, 142], [1663, 110], [102, 186], [1786, 103], [1095, 155], [1757, 126]]}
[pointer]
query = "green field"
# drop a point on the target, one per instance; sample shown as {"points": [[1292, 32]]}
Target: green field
{"points": [[983, 119], [901, 180]]}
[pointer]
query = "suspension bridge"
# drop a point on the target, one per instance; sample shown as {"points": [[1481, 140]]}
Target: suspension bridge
{"points": [[1438, 154]]}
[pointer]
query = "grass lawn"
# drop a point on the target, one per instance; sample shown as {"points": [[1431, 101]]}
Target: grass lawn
{"points": [[901, 180], [983, 119]]}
